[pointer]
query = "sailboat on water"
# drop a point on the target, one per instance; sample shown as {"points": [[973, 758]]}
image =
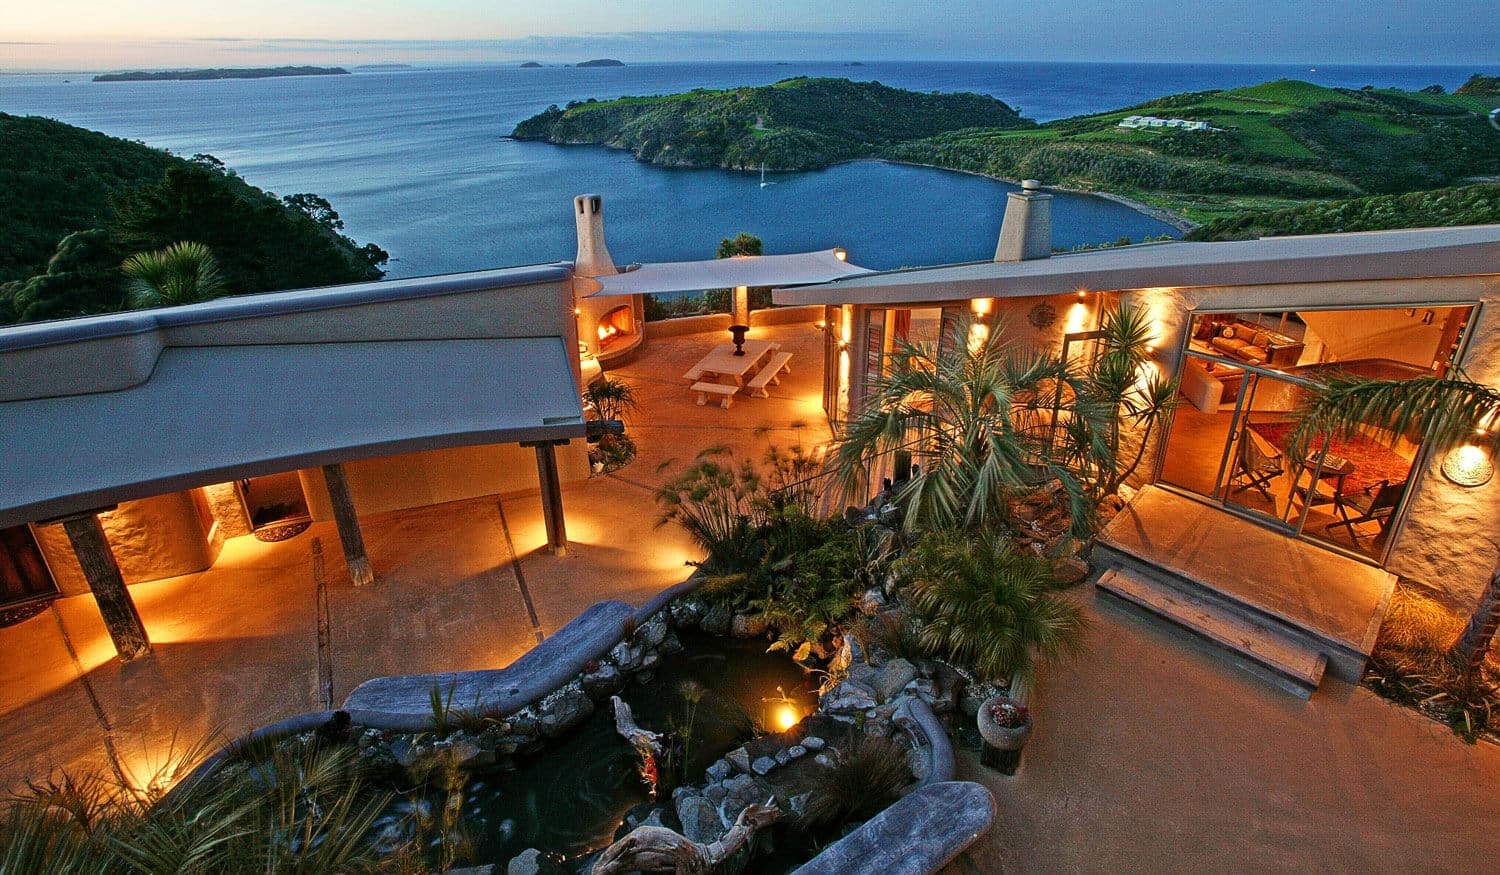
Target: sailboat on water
{"points": [[763, 182]]}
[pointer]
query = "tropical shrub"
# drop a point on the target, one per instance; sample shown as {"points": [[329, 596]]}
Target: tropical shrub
{"points": [[986, 605], [183, 273]]}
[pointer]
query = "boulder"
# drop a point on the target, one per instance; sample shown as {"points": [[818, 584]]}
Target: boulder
{"points": [[528, 862], [686, 613], [716, 620], [739, 758], [563, 712], [719, 770], [603, 682], [670, 644], [893, 679], [700, 819], [813, 742], [763, 765], [748, 625], [871, 602], [847, 698], [654, 631], [1069, 570]]}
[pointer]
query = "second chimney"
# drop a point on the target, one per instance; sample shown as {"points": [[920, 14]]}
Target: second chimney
{"points": [[1026, 231], [593, 256]]}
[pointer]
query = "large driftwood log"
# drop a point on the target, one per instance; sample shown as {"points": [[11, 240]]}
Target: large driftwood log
{"points": [[645, 741], [657, 849]]}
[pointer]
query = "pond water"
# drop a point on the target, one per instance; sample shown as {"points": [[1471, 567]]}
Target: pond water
{"points": [[572, 796]]}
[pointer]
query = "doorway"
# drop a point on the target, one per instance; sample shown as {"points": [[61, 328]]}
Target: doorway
{"points": [[1243, 378], [23, 573], [274, 500]]}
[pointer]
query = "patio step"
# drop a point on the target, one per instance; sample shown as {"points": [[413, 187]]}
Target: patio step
{"points": [[1257, 647]]}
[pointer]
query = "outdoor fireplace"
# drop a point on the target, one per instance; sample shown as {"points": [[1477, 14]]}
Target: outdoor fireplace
{"points": [[615, 327]]}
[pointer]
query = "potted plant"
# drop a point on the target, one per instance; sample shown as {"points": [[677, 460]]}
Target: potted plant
{"points": [[1004, 723]]}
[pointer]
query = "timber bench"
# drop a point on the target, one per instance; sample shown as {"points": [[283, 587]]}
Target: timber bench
{"points": [[769, 374], [725, 391]]}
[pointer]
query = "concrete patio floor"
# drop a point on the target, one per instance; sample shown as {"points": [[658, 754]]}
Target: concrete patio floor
{"points": [[1152, 755], [238, 645]]}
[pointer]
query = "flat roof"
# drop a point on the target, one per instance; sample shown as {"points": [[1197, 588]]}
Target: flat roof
{"points": [[212, 414], [1370, 255]]}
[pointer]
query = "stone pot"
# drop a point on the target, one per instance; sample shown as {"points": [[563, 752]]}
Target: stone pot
{"points": [[997, 736]]}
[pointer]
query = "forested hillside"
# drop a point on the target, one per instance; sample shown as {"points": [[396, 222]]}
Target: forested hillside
{"points": [[74, 204]]}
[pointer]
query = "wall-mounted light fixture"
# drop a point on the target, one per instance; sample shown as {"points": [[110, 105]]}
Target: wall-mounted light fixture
{"points": [[840, 254], [982, 306], [1468, 465]]}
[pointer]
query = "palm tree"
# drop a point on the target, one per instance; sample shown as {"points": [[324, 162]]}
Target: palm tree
{"points": [[984, 420], [988, 605], [1451, 411], [183, 273]]}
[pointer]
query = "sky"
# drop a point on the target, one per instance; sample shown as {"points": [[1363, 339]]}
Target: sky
{"points": [[111, 34]]}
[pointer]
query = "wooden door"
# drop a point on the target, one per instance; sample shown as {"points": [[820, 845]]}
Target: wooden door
{"points": [[23, 574]]}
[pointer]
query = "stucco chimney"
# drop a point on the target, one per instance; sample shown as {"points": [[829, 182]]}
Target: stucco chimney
{"points": [[1026, 231], [593, 256]]}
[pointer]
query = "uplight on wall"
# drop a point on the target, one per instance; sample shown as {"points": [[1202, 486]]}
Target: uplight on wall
{"points": [[982, 306], [1469, 466], [841, 255]]}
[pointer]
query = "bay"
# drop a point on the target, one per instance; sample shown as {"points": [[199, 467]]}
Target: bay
{"points": [[418, 161]]}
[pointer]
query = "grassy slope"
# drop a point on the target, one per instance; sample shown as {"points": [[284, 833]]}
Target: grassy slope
{"points": [[1282, 144]]}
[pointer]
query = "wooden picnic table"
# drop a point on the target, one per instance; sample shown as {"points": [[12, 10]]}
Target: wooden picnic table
{"points": [[722, 362]]}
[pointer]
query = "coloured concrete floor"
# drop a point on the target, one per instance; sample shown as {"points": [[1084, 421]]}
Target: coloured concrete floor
{"points": [[256, 638], [1149, 755]]}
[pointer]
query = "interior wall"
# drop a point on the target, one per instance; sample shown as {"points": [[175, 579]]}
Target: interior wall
{"points": [[1347, 335], [437, 476]]}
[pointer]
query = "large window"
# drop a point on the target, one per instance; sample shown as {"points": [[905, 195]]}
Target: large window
{"points": [[1243, 376]]}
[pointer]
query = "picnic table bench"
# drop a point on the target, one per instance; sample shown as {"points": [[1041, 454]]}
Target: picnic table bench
{"points": [[769, 374]]}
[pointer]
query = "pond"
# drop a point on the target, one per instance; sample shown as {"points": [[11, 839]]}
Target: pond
{"points": [[572, 796]]}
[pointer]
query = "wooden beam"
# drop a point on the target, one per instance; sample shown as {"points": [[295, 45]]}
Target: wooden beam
{"points": [[353, 541], [90, 544], [552, 511]]}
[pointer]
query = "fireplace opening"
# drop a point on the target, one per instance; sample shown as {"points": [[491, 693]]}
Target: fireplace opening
{"points": [[615, 326]]}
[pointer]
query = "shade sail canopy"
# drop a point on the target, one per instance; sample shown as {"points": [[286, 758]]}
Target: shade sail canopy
{"points": [[722, 273], [211, 414]]}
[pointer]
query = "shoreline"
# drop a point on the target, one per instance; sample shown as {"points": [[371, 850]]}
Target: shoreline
{"points": [[1180, 223], [1161, 214]]}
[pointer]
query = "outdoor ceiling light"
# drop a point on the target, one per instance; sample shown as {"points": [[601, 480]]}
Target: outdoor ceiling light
{"points": [[1469, 466]]}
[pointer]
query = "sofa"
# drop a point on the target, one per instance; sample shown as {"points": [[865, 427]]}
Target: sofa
{"points": [[1253, 344]]}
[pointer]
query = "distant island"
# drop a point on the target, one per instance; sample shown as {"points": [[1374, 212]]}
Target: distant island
{"points": [[796, 124], [219, 73], [1274, 146], [602, 62], [530, 65]]}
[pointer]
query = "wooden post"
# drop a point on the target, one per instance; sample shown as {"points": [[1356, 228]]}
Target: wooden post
{"points": [[86, 534], [347, 520], [551, 482]]}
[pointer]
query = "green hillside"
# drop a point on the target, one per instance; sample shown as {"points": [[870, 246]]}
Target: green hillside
{"points": [[1444, 207], [75, 203], [1270, 146], [796, 124]]}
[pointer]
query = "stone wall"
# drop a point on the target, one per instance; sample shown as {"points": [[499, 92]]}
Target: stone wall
{"points": [[152, 538]]}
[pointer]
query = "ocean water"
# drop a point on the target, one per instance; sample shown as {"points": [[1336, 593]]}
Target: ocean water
{"points": [[418, 162]]}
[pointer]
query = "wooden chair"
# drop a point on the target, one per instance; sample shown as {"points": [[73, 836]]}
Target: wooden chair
{"points": [[1257, 464], [1375, 504]]}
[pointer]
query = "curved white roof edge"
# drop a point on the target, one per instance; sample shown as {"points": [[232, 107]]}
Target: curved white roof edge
{"points": [[1472, 250], [721, 273]]}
